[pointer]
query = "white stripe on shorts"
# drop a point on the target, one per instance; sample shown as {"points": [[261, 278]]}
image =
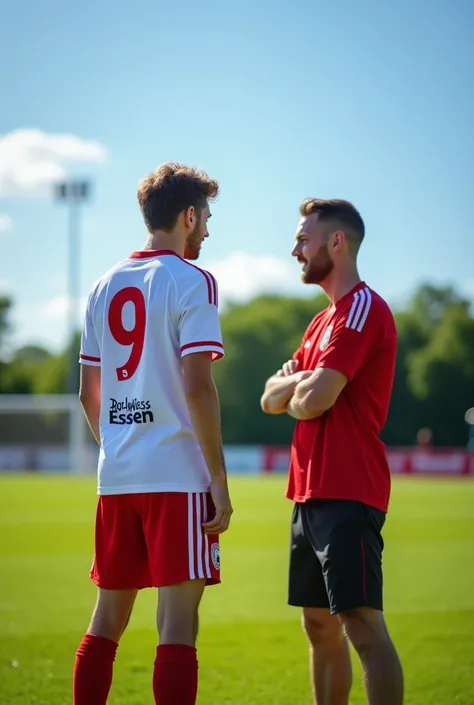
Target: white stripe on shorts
{"points": [[198, 541], [206, 540], [200, 572], [192, 574]]}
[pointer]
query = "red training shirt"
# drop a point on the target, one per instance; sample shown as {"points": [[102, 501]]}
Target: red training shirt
{"points": [[339, 455]]}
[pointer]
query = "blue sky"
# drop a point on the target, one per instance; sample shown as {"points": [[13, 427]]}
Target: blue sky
{"points": [[369, 101]]}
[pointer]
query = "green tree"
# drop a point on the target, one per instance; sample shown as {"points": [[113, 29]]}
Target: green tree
{"points": [[430, 303], [405, 415], [441, 376], [22, 373], [53, 372], [32, 353]]}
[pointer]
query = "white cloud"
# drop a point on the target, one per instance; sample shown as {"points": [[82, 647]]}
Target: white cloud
{"points": [[5, 222], [59, 307], [242, 276], [31, 160], [4, 288]]}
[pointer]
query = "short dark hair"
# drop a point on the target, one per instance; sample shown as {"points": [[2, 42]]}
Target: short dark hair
{"points": [[342, 212], [170, 190]]}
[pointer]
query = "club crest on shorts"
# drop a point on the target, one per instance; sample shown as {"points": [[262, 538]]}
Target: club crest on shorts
{"points": [[216, 556], [326, 338]]}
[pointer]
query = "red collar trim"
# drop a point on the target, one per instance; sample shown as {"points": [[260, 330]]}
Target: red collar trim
{"points": [[147, 254]]}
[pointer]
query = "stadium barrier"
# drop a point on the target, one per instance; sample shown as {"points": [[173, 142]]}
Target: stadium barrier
{"points": [[407, 461], [243, 459]]}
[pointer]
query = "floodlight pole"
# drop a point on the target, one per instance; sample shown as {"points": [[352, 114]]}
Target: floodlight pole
{"points": [[469, 419], [74, 194]]}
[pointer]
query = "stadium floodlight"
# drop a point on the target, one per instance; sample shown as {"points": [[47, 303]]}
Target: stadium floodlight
{"points": [[469, 419], [74, 193]]}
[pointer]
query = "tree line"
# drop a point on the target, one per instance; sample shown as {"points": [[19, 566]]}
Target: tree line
{"points": [[434, 381]]}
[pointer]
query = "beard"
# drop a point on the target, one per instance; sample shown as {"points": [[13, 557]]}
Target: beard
{"points": [[193, 243], [318, 268]]}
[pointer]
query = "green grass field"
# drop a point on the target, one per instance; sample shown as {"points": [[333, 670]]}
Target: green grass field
{"points": [[251, 647]]}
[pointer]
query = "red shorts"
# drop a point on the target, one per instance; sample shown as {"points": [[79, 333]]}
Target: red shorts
{"points": [[154, 539]]}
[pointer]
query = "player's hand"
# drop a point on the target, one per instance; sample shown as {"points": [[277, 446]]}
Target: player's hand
{"points": [[223, 508], [289, 368]]}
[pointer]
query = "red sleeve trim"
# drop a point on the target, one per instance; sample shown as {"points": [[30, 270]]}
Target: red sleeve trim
{"points": [[202, 344], [89, 358]]}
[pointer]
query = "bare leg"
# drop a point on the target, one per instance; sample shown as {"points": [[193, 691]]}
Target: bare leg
{"points": [[177, 617], [383, 676], [112, 613], [330, 659]]}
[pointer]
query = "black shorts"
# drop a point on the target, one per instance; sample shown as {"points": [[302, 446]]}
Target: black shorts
{"points": [[336, 555]]}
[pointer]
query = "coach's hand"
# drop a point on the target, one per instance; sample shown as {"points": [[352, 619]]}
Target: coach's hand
{"points": [[289, 368], [221, 499]]}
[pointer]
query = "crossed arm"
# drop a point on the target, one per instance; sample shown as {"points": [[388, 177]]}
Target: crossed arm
{"points": [[304, 394]]}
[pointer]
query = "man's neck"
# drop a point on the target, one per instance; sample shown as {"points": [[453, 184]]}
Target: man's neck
{"points": [[161, 240], [338, 285]]}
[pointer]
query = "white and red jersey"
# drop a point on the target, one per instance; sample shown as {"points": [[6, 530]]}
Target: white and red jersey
{"points": [[142, 317]]}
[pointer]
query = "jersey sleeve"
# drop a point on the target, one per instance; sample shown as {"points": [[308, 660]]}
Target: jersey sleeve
{"points": [[298, 354], [353, 337], [90, 352], [199, 326]]}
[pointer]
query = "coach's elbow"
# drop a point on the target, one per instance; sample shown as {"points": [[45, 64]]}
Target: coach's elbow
{"points": [[264, 403], [310, 406], [269, 406]]}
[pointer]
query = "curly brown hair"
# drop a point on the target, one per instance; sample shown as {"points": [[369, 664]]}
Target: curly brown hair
{"points": [[170, 190]]}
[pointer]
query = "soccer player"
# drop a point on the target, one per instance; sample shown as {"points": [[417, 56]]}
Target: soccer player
{"points": [[338, 387], [150, 334]]}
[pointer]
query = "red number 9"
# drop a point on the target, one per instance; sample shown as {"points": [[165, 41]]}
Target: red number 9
{"points": [[136, 335]]}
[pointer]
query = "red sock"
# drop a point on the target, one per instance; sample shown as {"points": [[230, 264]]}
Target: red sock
{"points": [[175, 678], [93, 670]]}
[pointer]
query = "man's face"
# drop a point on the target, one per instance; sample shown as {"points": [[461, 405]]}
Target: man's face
{"points": [[198, 234], [312, 250]]}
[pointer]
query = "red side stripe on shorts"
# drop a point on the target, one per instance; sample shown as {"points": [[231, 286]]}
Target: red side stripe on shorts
{"points": [[364, 572]]}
